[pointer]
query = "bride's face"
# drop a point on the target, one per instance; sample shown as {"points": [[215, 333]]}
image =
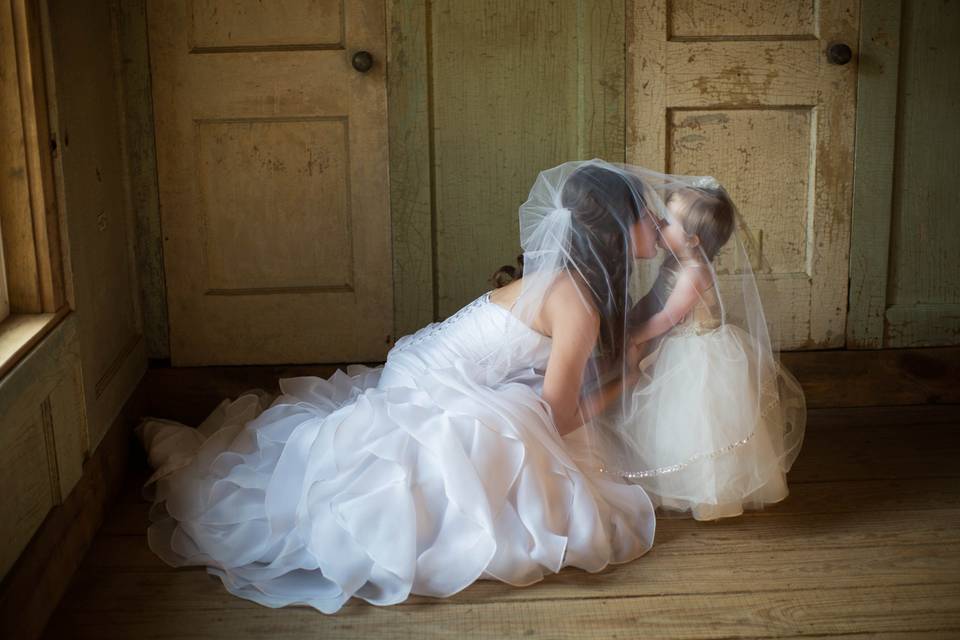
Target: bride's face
{"points": [[644, 235]]}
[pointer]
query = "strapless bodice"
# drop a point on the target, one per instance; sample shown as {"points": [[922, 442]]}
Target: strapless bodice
{"points": [[471, 336]]}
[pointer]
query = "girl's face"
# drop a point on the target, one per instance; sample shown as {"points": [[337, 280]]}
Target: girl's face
{"points": [[673, 238], [644, 235]]}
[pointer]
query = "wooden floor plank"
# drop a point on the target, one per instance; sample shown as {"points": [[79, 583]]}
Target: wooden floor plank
{"points": [[718, 615], [905, 416], [830, 378], [121, 577], [871, 377], [855, 496], [867, 543], [788, 531], [873, 452]]}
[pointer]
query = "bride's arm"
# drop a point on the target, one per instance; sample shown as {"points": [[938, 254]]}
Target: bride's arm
{"points": [[574, 331], [597, 402]]}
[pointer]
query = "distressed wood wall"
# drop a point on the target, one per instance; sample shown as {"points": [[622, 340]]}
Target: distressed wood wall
{"points": [[462, 188], [59, 400], [905, 253], [484, 95]]}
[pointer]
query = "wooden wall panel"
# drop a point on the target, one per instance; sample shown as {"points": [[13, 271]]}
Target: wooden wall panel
{"points": [[905, 254], [88, 123], [410, 165], [44, 439], [512, 88], [141, 158], [924, 288]]}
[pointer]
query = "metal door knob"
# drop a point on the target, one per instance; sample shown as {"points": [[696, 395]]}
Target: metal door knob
{"points": [[839, 53], [362, 61]]}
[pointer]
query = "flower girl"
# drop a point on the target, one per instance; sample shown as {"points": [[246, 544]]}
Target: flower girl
{"points": [[714, 420]]}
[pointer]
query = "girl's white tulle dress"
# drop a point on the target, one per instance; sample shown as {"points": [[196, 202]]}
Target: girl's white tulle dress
{"points": [[419, 476], [717, 424]]}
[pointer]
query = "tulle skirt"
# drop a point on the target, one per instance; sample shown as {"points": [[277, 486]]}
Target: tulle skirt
{"points": [[339, 488], [716, 427]]}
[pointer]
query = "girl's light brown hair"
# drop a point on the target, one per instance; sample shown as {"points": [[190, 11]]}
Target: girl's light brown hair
{"points": [[709, 215]]}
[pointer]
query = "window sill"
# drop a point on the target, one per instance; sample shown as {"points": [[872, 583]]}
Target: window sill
{"points": [[19, 332]]}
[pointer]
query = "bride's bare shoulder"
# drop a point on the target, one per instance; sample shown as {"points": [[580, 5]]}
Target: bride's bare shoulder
{"points": [[568, 303]]}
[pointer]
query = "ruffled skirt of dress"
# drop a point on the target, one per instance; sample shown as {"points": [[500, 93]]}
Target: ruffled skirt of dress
{"points": [[338, 488], [716, 427]]}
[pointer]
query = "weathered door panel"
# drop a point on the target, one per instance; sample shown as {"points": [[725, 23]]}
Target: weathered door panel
{"points": [[745, 92], [272, 163]]}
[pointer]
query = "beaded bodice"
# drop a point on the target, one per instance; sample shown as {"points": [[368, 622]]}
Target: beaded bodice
{"points": [[470, 336]]}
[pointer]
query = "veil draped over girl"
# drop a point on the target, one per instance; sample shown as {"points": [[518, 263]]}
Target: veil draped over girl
{"points": [[685, 394]]}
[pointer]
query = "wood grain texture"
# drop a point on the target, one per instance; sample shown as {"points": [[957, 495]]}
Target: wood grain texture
{"points": [[43, 204], [42, 573], [646, 78], [872, 198], [867, 609], [18, 251], [771, 19], [411, 179], [893, 377], [32, 259], [864, 545], [93, 199], [904, 291], [236, 24], [923, 289], [274, 187], [44, 437], [514, 88], [141, 159], [762, 110]]}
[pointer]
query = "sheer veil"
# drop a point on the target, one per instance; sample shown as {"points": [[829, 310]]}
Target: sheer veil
{"points": [[582, 221]]}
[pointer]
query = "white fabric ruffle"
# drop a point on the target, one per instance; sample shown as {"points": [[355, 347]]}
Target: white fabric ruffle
{"points": [[716, 426], [339, 487]]}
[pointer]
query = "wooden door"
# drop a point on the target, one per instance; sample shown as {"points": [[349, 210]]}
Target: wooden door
{"points": [[272, 163], [745, 91]]}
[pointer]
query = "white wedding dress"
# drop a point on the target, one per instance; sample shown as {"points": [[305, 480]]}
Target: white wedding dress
{"points": [[419, 476]]}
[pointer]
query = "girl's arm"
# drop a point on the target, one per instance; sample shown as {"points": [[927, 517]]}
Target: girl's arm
{"points": [[684, 296], [643, 310]]}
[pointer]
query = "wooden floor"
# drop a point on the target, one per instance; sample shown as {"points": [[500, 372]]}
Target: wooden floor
{"points": [[867, 544]]}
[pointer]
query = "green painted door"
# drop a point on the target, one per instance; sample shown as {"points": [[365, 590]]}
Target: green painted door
{"points": [[483, 96], [905, 254]]}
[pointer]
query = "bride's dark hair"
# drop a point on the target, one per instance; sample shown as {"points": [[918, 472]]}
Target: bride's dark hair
{"points": [[603, 206]]}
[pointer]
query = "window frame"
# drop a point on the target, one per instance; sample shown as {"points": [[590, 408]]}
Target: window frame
{"points": [[31, 260]]}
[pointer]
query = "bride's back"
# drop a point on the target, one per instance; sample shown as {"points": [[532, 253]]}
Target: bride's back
{"points": [[507, 295]]}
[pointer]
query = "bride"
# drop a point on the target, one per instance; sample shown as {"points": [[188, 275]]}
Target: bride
{"points": [[475, 452]]}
